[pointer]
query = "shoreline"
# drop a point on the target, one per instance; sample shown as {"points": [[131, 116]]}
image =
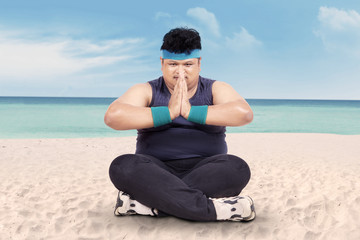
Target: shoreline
{"points": [[226, 133], [304, 186]]}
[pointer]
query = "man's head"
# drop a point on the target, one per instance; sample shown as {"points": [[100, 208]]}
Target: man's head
{"points": [[181, 40], [181, 54]]}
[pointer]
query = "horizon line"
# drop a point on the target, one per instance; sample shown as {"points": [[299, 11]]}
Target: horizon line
{"points": [[251, 98]]}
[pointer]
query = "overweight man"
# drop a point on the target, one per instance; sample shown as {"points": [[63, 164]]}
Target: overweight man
{"points": [[181, 167]]}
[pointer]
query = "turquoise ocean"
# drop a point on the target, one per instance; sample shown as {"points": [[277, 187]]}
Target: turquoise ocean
{"points": [[58, 117]]}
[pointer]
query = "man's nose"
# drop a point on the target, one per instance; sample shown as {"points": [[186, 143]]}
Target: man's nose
{"points": [[180, 69]]}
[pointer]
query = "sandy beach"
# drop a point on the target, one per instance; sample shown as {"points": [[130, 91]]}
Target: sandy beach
{"points": [[305, 186]]}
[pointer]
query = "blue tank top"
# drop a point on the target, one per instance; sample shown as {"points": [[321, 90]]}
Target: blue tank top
{"points": [[181, 138]]}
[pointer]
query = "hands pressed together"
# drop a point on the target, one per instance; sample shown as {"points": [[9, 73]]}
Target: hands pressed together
{"points": [[179, 102]]}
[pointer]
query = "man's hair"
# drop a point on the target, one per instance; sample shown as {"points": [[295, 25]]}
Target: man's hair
{"points": [[181, 40]]}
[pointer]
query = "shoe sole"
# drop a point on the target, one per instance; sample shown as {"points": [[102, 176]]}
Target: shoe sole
{"points": [[253, 213], [239, 218]]}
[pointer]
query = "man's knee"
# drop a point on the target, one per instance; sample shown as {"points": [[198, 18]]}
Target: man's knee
{"points": [[232, 165], [240, 165], [123, 167]]}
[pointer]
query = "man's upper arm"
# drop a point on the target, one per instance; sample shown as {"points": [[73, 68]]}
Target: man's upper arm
{"points": [[223, 93], [138, 95]]}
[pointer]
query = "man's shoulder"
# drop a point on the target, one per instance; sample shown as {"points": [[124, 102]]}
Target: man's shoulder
{"points": [[216, 84], [205, 79], [221, 84], [140, 87], [220, 87], [156, 81], [206, 83], [146, 86]]}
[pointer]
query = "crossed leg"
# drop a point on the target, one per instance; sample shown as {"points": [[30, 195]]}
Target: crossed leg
{"points": [[154, 183]]}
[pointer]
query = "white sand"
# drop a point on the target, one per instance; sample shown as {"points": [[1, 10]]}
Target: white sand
{"points": [[305, 186]]}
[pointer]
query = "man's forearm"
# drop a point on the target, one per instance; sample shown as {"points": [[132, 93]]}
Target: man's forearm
{"points": [[235, 113], [121, 116]]}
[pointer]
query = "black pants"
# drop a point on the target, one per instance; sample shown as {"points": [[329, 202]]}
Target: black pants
{"points": [[180, 187]]}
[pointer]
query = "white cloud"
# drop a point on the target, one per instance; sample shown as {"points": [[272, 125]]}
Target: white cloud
{"points": [[159, 15], [339, 19], [339, 30], [206, 18], [46, 59], [242, 40]]}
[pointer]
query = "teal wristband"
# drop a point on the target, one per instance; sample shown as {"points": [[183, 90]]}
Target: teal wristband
{"points": [[161, 116], [198, 114]]}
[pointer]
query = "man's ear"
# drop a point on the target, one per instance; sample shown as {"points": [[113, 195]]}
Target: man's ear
{"points": [[162, 62]]}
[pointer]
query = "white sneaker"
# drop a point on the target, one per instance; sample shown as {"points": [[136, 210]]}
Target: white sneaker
{"points": [[237, 208], [125, 206]]}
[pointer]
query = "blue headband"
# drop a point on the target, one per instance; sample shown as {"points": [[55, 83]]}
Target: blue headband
{"points": [[180, 56]]}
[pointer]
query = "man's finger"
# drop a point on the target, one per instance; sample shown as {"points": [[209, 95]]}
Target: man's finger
{"points": [[185, 86], [177, 87], [184, 90]]}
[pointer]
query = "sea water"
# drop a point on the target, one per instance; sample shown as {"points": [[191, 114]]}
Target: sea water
{"points": [[53, 117]]}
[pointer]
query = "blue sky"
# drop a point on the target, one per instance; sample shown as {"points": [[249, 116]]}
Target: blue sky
{"points": [[264, 49]]}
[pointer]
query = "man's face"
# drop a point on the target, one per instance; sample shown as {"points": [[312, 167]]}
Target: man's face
{"points": [[172, 68]]}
